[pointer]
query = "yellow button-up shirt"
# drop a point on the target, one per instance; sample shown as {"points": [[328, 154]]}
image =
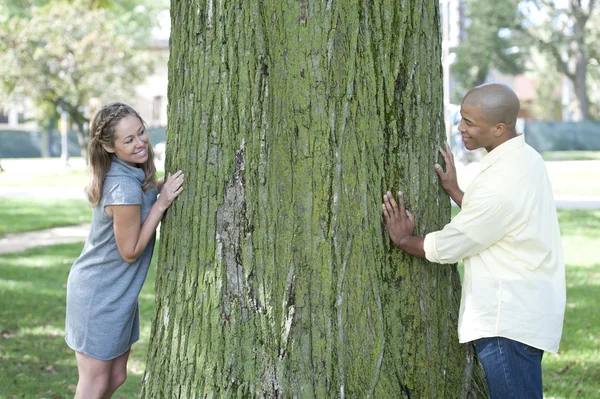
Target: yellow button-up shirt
{"points": [[508, 235]]}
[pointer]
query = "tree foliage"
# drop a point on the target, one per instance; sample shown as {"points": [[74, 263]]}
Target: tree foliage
{"points": [[71, 55], [136, 17]]}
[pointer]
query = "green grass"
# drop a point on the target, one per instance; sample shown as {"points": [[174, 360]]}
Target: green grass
{"points": [[574, 372], [36, 363], [571, 155], [28, 214]]}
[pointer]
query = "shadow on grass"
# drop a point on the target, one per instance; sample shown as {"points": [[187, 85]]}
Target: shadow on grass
{"points": [[35, 361]]}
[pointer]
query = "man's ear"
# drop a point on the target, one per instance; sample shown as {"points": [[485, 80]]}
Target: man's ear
{"points": [[499, 129], [108, 148]]}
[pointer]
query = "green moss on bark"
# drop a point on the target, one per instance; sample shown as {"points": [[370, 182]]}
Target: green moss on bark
{"points": [[276, 277]]}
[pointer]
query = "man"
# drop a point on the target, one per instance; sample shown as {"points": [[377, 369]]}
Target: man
{"points": [[507, 232]]}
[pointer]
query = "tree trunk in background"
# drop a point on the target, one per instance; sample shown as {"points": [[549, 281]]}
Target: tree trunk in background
{"points": [[276, 277]]}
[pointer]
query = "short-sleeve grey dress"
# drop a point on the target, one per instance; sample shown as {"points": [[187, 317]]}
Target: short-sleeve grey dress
{"points": [[102, 318]]}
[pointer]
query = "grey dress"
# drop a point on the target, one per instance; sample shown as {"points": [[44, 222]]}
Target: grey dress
{"points": [[102, 291]]}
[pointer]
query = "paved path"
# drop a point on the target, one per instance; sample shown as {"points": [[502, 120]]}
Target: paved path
{"points": [[19, 242]]}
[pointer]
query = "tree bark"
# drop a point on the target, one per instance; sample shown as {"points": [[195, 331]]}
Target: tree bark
{"points": [[290, 119]]}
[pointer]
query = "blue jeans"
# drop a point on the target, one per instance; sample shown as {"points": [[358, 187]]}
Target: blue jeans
{"points": [[513, 370]]}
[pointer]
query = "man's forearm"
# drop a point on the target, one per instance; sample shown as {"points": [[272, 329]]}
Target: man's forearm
{"points": [[457, 196], [413, 245]]}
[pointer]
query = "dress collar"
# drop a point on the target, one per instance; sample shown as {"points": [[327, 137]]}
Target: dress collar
{"points": [[119, 167]]}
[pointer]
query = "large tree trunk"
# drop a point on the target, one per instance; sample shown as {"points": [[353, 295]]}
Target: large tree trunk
{"points": [[276, 277]]}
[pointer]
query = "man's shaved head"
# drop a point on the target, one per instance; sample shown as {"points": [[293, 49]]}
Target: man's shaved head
{"points": [[499, 103]]}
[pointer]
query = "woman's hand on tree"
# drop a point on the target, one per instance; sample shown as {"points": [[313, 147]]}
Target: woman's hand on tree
{"points": [[171, 189]]}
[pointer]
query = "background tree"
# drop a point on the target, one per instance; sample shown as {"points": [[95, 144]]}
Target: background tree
{"points": [[276, 277], [563, 34], [544, 75], [509, 35], [487, 44], [68, 55]]}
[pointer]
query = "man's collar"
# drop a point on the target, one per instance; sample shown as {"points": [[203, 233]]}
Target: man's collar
{"points": [[496, 153]]}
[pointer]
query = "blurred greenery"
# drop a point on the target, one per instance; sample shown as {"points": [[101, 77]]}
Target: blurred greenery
{"points": [[74, 54], [548, 39], [483, 48], [136, 17]]}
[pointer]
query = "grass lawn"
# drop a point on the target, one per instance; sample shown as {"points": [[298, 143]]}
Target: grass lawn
{"points": [[574, 372], [38, 172], [36, 363], [571, 155], [50, 172], [28, 214]]}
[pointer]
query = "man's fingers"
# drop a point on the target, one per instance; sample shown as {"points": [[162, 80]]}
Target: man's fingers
{"points": [[387, 207], [440, 171], [448, 158], [390, 208], [384, 207], [447, 155], [391, 201], [386, 215], [410, 216], [450, 154], [401, 203], [444, 155]]}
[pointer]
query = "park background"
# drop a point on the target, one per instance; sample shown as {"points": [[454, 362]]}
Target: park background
{"points": [[41, 185]]}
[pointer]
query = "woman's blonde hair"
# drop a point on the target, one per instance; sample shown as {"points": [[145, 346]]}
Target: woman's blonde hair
{"points": [[102, 131]]}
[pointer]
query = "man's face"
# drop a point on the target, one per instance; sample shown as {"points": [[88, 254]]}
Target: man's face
{"points": [[475, 130]]}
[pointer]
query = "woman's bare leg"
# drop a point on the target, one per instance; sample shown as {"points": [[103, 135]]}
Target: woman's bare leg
{"points": [[118, 373], [94, 377]]}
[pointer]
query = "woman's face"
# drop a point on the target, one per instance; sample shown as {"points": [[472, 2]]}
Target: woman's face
{"points": [[131, 141]]}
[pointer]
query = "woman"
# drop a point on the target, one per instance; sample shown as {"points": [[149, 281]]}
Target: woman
{"points": [[102, 320]]}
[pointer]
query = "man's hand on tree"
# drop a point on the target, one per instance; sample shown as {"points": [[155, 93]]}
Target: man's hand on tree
{"points": [[448, 178], [399, 222]]}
